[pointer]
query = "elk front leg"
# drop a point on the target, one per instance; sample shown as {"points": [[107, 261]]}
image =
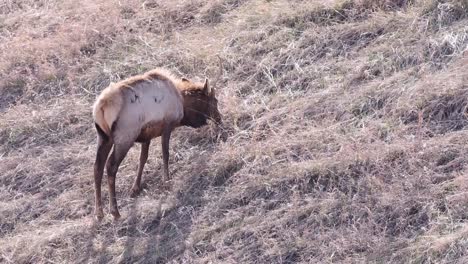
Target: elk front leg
{"points": [[166, 136]]}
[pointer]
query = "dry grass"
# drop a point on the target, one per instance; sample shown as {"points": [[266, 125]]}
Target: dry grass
{"points": [[344, 137]]}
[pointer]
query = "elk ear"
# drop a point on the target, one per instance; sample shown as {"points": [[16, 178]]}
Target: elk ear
{"points": [[213, 92], [207, 88], [185, 79]]}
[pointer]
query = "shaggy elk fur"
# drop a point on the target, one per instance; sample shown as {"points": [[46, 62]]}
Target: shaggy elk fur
{"points": [[139, 109]]}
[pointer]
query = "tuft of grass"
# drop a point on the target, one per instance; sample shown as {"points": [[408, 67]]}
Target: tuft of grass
{"points": [[440, 14]]}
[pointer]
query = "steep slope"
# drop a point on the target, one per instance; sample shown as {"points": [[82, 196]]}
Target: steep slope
{"points": [[344, 135]]}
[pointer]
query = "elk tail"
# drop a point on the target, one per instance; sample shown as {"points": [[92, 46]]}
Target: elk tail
{"points": [[106, 111]]}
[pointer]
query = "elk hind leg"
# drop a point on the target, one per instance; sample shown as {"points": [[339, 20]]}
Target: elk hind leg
{"points": [[136, 188], [118, 154], [104, 146]]}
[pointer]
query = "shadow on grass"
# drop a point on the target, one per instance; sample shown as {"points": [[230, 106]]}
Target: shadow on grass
{"points": [[169, 230]]}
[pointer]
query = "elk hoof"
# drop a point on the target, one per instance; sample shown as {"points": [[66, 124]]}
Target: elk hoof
{"points": [[135, 191], [115, 215], [99, 215], [167, 180]]}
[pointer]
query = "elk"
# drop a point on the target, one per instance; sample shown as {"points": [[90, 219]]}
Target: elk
{"points": [[140, 109]]}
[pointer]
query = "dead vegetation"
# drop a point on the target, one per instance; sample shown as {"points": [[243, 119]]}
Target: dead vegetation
{"points": [[344, 138]]}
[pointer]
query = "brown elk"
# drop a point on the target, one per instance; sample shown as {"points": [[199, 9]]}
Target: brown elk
{"points": [[139, 109]]}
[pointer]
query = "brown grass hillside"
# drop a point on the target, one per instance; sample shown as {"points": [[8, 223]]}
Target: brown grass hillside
{"points": [[345, 135]]}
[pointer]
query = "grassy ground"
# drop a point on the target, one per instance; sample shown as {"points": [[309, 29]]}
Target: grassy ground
{"points": [[345, 137]]}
